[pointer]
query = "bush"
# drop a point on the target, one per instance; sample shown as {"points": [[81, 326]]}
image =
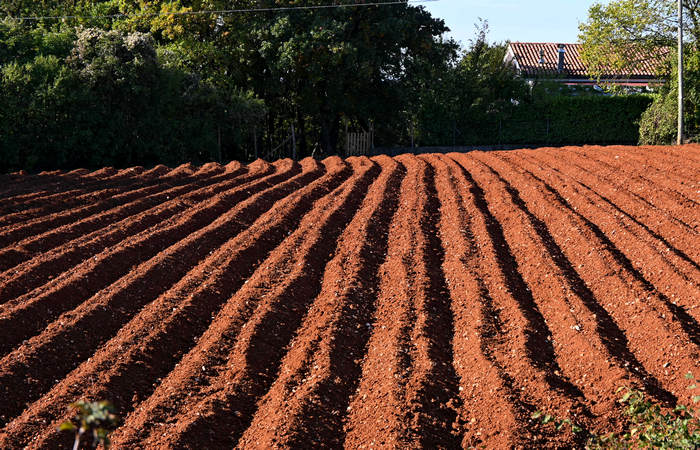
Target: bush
{"points": [[659, 124], [92, 418], [588, 119], [648, 425], [108, 100]]}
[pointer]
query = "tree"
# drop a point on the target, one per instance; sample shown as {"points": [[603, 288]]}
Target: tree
{"points": [[90, 98], [313, 68], [658, 124], [618, 36], [458, 105]]}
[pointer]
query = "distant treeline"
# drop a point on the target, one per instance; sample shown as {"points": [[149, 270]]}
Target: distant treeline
{"points": [[147, 89], [96, 98]]}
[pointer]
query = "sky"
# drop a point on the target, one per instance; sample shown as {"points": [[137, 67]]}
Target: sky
{"points": [[514, 20]]}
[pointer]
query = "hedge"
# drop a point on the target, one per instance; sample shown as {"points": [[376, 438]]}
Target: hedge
{"points": [[577, 120], [559, 120]]}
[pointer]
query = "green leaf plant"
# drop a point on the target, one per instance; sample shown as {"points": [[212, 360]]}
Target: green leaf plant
{"points": [[648, 425], [92, 418]]}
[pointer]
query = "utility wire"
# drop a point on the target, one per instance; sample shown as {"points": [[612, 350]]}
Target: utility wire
{"points": [[219, 12]]}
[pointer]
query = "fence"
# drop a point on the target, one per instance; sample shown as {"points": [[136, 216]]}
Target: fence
{"points": [[359, 143], [287, 149]]}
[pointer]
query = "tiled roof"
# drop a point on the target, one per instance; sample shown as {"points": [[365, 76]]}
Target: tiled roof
{"points": [[528, 56]]}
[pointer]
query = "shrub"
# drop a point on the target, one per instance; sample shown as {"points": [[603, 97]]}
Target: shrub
{"points": [[92, 418], [587, 119], [658, 125], [648, 425], [109, 100]]}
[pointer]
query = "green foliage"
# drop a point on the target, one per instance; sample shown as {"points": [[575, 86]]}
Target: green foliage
{"points": [[457, 104], [587, 119], [648, 425], [108, 99], [659, 124], [314, 69], [617, 36], [92, 418], [480, 101]]}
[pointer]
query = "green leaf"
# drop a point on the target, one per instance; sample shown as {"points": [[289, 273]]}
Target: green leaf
{"points": [[576, 429], [67, 426], [692, 386], [696, 398], [548, 418], [689, 376], [536, 414]]}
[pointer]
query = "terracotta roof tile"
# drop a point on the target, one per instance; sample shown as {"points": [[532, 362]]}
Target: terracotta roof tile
{"points": [[528, 56]]}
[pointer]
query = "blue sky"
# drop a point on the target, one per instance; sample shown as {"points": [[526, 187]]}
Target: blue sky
{"points": [[514, 20]]}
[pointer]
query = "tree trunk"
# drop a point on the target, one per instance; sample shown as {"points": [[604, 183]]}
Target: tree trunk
{"points": [[303, 150], [335, 134], [270, 132], [326, 140]]}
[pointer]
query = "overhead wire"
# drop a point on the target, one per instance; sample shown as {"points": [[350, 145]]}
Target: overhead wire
{"points": [[220, 12]]}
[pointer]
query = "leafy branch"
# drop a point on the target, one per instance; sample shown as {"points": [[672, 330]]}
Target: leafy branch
{"points": [[92, 418], [648, 425]]}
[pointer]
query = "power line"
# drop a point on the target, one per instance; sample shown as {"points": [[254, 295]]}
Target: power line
{"points": [[219, 12]]}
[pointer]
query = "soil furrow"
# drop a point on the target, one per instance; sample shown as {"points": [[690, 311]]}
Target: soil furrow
{"points": [[416, 330], [64, 200], [666, 163], [500, 326], [243, 347], [81, 191], [657, 331], [671, 178], [663, 202], [433, 377], [432, 301], [688, 152], [18, 185], [538, 344], [485, 387], [149, 346], [685, 152], [99, 317], [45, 208], [678, 238], [581, 321], [26, 315], [37, 244], [670, 270], [306, 403], [378, 410], [30, 187], [57, 254], [12, 234]]}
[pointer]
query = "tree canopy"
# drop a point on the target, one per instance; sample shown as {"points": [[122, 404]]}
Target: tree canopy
{"points": [[619, 35]]}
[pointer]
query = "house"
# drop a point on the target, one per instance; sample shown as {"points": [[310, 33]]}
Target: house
{"points": [[562, 63]]}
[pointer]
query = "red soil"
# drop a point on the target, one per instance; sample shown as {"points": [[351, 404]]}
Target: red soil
{"points": [[416, 301]]}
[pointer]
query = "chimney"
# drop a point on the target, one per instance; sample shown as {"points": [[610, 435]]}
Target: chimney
{"points": [[562, 52], [541, 56]]}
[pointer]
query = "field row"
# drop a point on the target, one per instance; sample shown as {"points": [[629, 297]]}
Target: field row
{"points": [[415, 301]]}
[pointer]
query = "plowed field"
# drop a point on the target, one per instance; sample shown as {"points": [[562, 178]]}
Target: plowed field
{"points": [[417, 301]]}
